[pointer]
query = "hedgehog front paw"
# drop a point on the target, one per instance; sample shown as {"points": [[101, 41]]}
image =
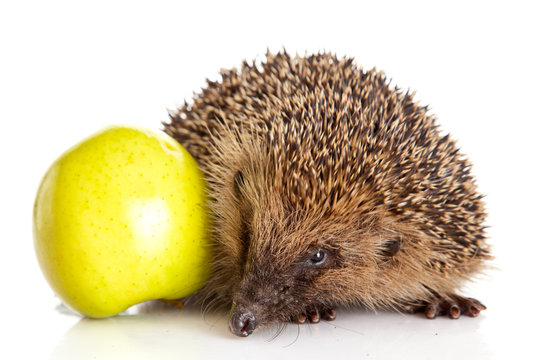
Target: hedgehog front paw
{"points": [[314, 316], [454, 306]]}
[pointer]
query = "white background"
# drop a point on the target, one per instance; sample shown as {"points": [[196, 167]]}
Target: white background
{"points": [[69, 68]]}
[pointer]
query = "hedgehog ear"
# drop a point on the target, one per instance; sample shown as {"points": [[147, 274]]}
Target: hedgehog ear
{"points": [[391, 246], [238, 181]]}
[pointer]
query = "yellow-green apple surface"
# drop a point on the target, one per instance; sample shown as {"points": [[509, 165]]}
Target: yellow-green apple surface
{"points": [[122, 218]]}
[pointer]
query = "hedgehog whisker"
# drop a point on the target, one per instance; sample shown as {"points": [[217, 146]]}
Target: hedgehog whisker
{"points": [[280, 328], [296, 338]]}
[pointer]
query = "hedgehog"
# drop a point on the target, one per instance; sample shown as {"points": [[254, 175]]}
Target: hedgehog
{"points": [[328, 187]]}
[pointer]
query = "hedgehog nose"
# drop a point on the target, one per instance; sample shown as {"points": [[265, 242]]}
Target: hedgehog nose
{"points": [[242, 323]]}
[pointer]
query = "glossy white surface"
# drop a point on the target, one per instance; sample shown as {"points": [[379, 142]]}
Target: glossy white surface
{"points": [[169, 334], [160, 331], [69, 68]]}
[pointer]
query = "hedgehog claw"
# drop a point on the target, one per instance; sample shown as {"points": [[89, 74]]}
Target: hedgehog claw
{"points": [[431, 312], [454, 312], [454, 306], [314, 316], [329, 314], [299, 319]]}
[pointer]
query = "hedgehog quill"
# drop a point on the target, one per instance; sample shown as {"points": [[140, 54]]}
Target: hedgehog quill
{"points": [[330, 188]]}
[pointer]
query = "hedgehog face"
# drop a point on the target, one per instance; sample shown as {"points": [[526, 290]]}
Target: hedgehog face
{"points": [[277, 258], [276, 286], [291, 260], [287, 264]]}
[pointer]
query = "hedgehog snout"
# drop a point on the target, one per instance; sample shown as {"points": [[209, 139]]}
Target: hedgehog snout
{"points": [[255, 307], [242, 322]]}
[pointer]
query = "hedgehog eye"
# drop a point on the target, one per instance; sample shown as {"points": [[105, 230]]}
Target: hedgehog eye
{"points": [[238, 182], [245, 238], [318, 258]]}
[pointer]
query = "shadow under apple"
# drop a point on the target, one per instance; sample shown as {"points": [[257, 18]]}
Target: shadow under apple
{"points": [[149, 330]]}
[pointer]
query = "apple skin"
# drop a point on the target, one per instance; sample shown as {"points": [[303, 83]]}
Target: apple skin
{"points": [[122, 218]]}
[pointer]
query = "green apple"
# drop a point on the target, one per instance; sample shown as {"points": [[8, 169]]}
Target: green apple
{"points": [[122, 218]]}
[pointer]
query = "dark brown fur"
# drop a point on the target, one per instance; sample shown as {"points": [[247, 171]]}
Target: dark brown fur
{"points": [[311, 153]]}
